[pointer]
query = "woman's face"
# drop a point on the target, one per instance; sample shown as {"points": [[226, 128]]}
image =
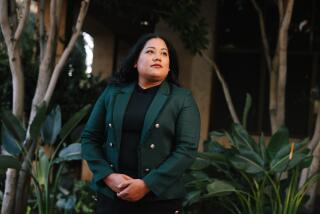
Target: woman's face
{"points": [[153, 62]]}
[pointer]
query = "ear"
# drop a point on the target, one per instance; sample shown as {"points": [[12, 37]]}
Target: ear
{"points": [[135, 65]]}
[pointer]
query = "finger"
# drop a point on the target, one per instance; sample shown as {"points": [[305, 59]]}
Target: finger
{"points": [[127, 177], [124, 184], [123, 194]]}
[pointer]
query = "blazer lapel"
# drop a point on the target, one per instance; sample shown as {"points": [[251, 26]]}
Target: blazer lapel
{"points": [[120, 105], [154, 109]]}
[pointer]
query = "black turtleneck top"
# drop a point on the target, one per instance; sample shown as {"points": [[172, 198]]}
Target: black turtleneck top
{"points": [[133, 120]]}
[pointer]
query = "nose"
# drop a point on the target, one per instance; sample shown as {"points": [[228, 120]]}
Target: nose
{"points": [[157, 57]]}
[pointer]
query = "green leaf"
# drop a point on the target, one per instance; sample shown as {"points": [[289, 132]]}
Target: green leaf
{"points": [[43, 167], [213, 156], [262, 148], [192, 197], [51, 126], [74, 121], [7, 161], [71, 152], [38, 121], [10, 144], [277, 141], [242, 138], [244, 163], [219, 188], [12, 133], [284, 164], [13, 125], [200, 164]]}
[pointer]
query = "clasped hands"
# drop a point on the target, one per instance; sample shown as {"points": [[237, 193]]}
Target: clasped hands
{"points": [[127, 188]]}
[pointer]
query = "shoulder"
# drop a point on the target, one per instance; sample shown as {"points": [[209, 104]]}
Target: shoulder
{"points": [[180, 91]]}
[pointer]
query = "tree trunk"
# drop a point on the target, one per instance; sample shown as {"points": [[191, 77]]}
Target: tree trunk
{"points": [[283, 46], [12, 41], [9, 192]]}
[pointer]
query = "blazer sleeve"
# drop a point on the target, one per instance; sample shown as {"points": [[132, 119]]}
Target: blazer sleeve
{"points": [[187, 138], [93, 138]]}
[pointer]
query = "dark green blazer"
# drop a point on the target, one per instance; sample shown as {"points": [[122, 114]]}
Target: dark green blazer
{"points": [[169, 138]]}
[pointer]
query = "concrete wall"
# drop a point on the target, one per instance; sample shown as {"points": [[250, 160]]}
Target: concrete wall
{"points": [[103, 51]]}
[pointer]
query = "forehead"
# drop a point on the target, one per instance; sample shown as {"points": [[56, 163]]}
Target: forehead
{"points": [[156, 43]]}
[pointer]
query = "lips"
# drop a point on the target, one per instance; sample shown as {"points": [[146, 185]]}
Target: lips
{"points": [[156, 66]]}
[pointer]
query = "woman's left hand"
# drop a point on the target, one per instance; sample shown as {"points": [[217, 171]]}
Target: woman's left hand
{"points": [[133, 190]]}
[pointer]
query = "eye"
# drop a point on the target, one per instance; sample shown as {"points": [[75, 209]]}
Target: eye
{"points": [[149, 51], [165, 53]]}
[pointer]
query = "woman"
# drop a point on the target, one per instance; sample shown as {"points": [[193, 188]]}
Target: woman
{"points": [[142, 133]]}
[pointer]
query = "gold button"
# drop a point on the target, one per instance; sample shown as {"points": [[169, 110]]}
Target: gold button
{"points": [[111, 165], [111, 144], [110, 125], [146, 169], [157, 125], [176, 212], [152, 146]]}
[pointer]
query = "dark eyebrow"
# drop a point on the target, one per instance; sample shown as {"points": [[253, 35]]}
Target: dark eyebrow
{"points": [[155, 48]]}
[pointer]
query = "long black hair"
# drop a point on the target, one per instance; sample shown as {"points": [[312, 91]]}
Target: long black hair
{"points": [[127, 73]]}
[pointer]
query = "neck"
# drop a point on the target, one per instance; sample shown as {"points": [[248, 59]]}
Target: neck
{"points": [[145, 85]]}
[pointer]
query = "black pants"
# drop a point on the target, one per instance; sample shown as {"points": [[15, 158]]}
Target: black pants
{"points": [[106, 205]]}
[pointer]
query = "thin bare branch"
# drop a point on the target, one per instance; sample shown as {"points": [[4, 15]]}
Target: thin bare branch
{"points": [[44, 69], [58, 68], [22, 21], [264, 37], [224, 87], [41, 28]]}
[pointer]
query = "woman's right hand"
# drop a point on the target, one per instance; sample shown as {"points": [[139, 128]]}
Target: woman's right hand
{"points": [[114, 180]]}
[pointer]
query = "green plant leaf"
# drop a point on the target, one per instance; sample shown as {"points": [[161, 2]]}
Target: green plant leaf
{"points": [[192, 197], [74, 121], [10, 144], [219, 188], [43, 168], [242, 138], [7, 161], [213, 156], [12, 133], [13, 125], [51, 126], [277, 141], [262, 148], [69, 153], [244, 163], [200, 164], [285, 163], [38, 121]]}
